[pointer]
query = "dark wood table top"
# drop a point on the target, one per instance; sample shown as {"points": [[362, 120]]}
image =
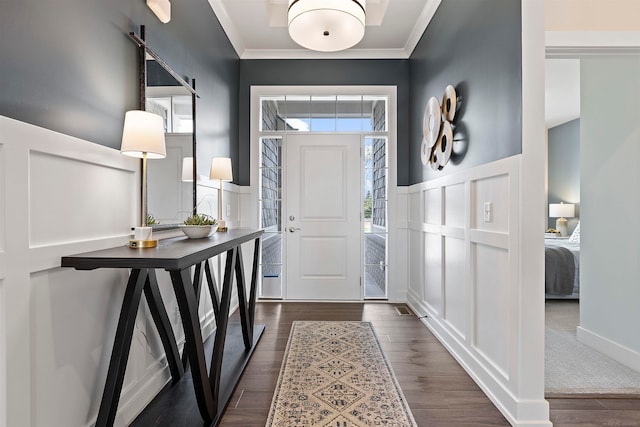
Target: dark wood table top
{"points": [[171, 254]]}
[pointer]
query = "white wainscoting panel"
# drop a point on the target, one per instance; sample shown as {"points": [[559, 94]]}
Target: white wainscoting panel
{"points": [[491, 190], [456, 288], [3, 324], [433, 272], [454, 205], [398, 276], [490, 269], [62, 196], [60, 186], [468, 268], [3, 353], [65, 196], [414, 207], [433, 206], [231, 197], [416, 270], [73, 323], [247, 210], [3, 203]]}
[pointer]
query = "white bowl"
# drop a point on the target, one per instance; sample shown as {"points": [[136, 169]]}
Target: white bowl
{"points": [[198, 231]]}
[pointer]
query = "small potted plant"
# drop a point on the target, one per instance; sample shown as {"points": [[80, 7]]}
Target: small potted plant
{"points": [[198, 226]]}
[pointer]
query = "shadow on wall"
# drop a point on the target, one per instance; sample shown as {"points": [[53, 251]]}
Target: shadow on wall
{"points": [[460, 130]]}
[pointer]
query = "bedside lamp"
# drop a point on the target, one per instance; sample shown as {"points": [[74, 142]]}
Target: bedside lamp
{"points": [[143, 137], [221, 170], [562, 211]]}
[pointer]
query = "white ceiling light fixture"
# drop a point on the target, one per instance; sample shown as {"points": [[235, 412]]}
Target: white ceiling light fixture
{"points": [[162, 9], [326, 25]]}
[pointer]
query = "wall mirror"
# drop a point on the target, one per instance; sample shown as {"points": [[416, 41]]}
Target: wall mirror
{"points": [[171, 182]]}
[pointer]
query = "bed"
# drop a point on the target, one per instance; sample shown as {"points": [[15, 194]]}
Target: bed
{"points": [[562, 266]]}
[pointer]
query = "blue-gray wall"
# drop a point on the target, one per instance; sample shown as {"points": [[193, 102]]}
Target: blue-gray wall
{"points": [[476, 47], [265, 72], [70, 66], [564, 167]]}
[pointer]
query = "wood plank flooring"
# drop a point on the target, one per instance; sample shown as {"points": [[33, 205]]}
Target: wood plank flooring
{"points": [[438, 390]]}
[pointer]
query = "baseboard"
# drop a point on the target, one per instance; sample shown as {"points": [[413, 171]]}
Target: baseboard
{"points": [[617, 352], [417, 305], [528, 413]]}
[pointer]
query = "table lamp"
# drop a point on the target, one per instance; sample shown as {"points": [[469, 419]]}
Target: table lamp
{"points": [[221, 170], [187, 169], [562, 211], [143, 137]]}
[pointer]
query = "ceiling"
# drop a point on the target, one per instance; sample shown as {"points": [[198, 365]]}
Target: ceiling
{"points": [[257, 29], [562, 91]]}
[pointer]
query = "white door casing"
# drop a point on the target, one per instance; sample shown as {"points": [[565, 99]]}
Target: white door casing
{"points": [[397, 231], [322, 216]]}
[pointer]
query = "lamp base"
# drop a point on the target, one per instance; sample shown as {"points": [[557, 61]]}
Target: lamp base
{"points": [[142, 244], [561, 226], [222, 225]]}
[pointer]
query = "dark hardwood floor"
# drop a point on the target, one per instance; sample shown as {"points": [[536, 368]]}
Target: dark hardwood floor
{"points": [[438, 390]]}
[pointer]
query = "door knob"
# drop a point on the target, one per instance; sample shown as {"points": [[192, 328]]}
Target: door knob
{"points": [[294, 229]]}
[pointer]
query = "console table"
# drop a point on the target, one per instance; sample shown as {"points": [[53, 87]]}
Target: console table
{"points": [[178, 256]]}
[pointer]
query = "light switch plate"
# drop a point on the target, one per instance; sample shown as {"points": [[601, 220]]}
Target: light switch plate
{"points": [[488, 211]]}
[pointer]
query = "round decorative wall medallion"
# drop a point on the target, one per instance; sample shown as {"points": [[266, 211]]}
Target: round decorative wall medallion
{"points": [[444, 146], [425, 152], [437, 129], [431, 122], [449, 103]]}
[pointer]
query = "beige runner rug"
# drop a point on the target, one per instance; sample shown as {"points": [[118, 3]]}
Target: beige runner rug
{"points": [[334, 374]]}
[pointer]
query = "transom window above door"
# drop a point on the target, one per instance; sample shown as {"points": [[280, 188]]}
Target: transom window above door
{"points": [[323, 113]]}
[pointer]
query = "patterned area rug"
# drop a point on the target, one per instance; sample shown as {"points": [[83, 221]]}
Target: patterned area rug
{"points": [[334, 374]]}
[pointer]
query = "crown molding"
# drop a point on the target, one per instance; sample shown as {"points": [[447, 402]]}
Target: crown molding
{"points": [[421, 25], [309, 54], [228, 26]]}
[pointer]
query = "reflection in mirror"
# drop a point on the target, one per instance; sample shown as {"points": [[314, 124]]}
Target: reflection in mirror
{"points": [[170, 196]]}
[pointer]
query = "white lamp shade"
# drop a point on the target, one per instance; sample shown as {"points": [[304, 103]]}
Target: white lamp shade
{"points": [[187, 169], [221, 169], [143, 133], [162, 9], [562, 210], [326, 25]]}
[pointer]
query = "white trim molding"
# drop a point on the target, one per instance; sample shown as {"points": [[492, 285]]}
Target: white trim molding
{"points": [[612, 349], [396, 290], [576, 44]]}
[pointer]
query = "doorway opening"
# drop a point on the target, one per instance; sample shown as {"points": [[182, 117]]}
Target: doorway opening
{"points": [[586, 338], [323, 164]]}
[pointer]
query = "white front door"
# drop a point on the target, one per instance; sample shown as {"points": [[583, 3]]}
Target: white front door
{"points": [[322, 217]]}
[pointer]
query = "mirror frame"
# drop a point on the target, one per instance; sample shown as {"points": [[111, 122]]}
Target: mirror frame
{"points": [[143, 51]]}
